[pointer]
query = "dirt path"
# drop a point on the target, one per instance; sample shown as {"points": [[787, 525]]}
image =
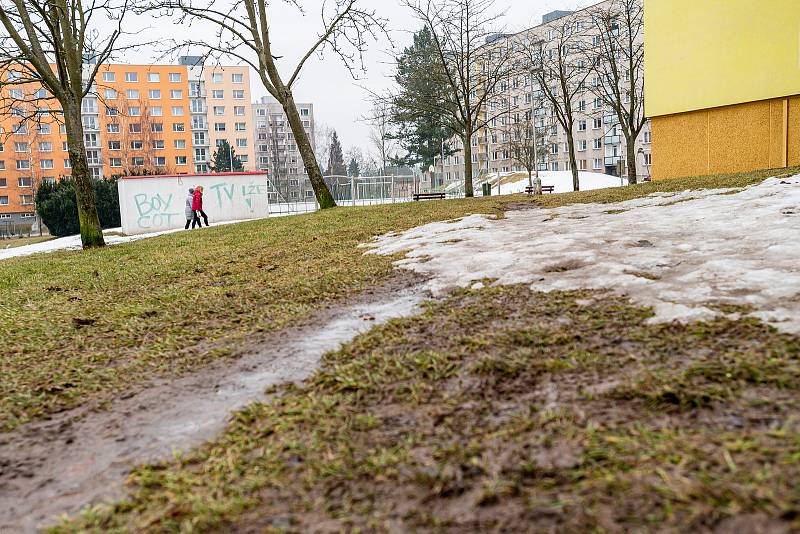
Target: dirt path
{"points": [[59, 465]]}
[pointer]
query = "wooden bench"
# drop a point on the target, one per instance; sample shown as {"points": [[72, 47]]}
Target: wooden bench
{"points": [[428, 196], [545, 189]]}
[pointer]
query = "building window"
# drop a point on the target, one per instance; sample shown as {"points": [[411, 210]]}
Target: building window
{"points": [[46, 164], [158, 145], [134, 111], [216, 77], [597, 124], [160, 161], [108, 77], [648, 158], [115, 162], [132, 94], [581, 145], [175, 77], [137, 145], [177, 111], [112, 128], [20, 147], [598, 144], [153, 77], [156, 111], [26, 200], [23, 164], [305, 112], [241, 126], [136, 127], [238, 111], [237, 78], [112, 112], [238, 94], [67, 164], [180, 160], [598, 164], [176, 94], [179, 143], [554, 166], [581, 126], [45, 146], [24, 181], [241, 143], [154, 94], [219, 126], [647, 137], [131, 77], [4, 201], [219, 110], [157, 127], [218, 94], [178, 127], [110, 94], [44, 129], [3, 182], [114, 145]]}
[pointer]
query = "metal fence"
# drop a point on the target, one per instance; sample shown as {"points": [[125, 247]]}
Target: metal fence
{"points": [[348, 191]]}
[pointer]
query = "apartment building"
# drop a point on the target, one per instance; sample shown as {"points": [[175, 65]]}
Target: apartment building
{"points": [[276, 150], [221, 110], [599, 143], [139, 119]]}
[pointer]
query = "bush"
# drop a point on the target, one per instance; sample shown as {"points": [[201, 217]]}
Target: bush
{"points": [[57, 205]]}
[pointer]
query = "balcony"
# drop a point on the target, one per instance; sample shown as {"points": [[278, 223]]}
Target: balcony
{"points": [[613, 160], [613, 139]]}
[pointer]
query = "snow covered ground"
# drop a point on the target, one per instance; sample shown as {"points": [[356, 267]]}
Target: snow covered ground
{"points": [[680, 253], [516, 182]]}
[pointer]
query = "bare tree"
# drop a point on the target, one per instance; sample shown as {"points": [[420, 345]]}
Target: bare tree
{"points": [[559, 68], [467, 66], [49, 42], [616, 57], [525, 148], [380, 131], [322, 140], [243, 32]]}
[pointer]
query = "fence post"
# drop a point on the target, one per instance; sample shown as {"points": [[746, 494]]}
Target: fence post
{"points": [[353, 190]]}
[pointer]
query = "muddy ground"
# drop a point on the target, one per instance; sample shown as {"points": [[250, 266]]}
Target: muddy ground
{"points": [[81, 457]]}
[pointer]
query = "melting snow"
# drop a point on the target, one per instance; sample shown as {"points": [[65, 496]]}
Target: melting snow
{"points": [[677, 253]]}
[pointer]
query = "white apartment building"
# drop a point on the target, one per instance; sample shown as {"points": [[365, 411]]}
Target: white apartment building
{"points": [[276, 150], [599, 143]]}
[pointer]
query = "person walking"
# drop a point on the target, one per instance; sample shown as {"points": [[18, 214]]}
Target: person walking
{"points": [[191, 216], [197, 204]]}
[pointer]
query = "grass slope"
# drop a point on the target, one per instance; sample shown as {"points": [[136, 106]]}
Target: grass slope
{"points": [[79, 327], [504, 410]]}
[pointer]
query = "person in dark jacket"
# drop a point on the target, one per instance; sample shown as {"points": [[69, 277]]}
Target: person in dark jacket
{"points": [[191, 216], [197, 203]]}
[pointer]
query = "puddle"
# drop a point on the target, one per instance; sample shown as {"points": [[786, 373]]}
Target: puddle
{"points": [[48, 468]]}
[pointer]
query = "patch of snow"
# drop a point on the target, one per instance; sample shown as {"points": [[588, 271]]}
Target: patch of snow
{"points": [[677, 253], [516, 182]]}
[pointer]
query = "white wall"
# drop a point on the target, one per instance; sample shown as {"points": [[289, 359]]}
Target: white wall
{"points": [[153, 203]]}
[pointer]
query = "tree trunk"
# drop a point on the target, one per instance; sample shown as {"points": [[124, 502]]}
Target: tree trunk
{"points": [[530, 178], [631, 149], [321, 190], [91, 231], [573, 163], [468, 190]]}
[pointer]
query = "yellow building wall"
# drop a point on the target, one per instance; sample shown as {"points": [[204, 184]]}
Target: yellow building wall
{"points": [[738, 138], [710, 53]]}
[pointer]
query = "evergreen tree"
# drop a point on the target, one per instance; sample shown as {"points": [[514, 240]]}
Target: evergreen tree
{"points": [[222, 159], [354, 169], [336, 166], [420, 130]]}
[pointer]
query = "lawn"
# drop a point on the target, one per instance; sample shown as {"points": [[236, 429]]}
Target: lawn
{"points": [[504, 409], [22, 241], [80, 327]]}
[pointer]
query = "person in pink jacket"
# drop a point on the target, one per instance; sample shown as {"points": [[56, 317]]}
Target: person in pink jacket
{"points": [[197, 203]]}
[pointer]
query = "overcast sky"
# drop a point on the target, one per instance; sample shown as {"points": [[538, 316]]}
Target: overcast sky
{"points": [[339, 100]]}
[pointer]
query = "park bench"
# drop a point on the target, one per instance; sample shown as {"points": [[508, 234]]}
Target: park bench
{"points": [[428, 196], [545, 189]]}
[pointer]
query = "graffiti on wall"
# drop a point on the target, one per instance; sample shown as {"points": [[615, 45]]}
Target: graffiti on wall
{"points": [[225, 193], [154, 210]]}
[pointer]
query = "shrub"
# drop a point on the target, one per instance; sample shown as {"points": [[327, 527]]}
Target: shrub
{"points": [[57, 205]]}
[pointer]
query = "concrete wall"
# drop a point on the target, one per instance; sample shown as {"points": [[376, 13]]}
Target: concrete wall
{"points": [[738, 138], [154, 203]]}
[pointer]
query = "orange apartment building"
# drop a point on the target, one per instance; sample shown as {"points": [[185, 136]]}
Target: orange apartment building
{"points": [[139, 119]]}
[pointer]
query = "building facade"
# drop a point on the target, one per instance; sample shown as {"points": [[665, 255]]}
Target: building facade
{"points": [[276, 149], [139, 119], [599, 144], [723, 85]]}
